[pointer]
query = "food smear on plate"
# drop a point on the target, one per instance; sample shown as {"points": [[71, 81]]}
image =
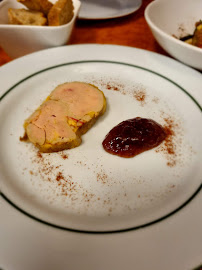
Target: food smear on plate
{"points": [[196, 38], [42, 12], [67, 113], [134, 136]]}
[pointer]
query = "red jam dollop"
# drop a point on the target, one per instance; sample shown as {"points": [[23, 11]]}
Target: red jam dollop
{"points": [[133, 136]]}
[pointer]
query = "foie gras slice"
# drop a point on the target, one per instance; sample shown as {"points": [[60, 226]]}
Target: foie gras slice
{"points": [[69, 111], [76, 93]]}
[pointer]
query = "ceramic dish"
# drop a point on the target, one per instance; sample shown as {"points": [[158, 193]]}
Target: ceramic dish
{"points": [[155, 196], [18, 40], [99, 10], [167, 19]]}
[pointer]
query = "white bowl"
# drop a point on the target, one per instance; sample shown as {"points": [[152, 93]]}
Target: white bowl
{"points": [[176, 17], [18, 40]]}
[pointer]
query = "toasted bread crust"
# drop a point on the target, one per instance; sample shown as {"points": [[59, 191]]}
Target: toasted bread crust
{"points": [[26, 17], [61, 13], [37, 5], [42, 12], [197, 38]]}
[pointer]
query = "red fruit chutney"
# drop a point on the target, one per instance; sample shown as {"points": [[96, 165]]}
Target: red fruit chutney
{"points": [[133, 136]]}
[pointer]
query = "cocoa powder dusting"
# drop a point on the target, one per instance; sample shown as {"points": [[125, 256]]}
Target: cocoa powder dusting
{"points": [[63, 155], [169, 145], [39, 154], [59, 176], [102, 177], [140, 96], [65, 185], [112, 87], [54, 174]]}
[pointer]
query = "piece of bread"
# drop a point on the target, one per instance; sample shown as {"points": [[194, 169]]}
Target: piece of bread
{"points": [[61, 13], [37, 5], [67, 113], [26, 17], [197, 38]]}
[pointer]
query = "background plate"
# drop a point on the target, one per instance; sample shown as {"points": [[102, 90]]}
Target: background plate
{"points": [[98, 10]]}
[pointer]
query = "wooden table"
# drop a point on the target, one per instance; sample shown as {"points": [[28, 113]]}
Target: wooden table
{"points": [[131, 30]]}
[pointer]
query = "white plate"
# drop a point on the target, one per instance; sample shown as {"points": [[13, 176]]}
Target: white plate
{"points": [[143, 195], [98, 10]]}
